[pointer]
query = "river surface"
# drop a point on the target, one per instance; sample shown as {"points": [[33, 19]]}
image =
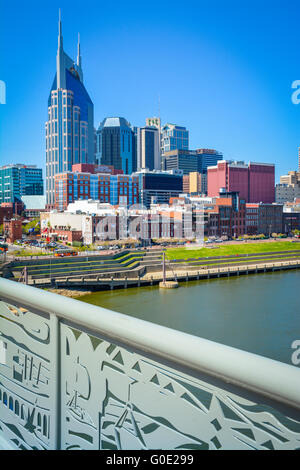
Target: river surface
{"points": [[257, 313]]}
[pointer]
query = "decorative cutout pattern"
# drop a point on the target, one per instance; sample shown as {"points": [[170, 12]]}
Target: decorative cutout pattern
{"points": [[116, 399], [112, 398], [26, 395]]}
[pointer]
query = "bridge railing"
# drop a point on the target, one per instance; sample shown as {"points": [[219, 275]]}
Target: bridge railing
{"points": [[76, 376]]}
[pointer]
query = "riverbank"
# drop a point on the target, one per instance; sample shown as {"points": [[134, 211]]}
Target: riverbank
{"points": [[191, 273], [72, 293]]}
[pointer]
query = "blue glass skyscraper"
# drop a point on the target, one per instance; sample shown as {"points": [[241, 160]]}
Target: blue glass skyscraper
{"points": [[70, 125], [174, 137], [116, 144], [17, 180]]}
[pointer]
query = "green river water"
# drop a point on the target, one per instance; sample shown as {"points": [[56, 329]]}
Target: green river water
{"points": [[257, 313]]}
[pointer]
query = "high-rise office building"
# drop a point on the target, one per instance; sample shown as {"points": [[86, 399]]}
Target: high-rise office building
{"points": [[208, 157], [191, 160], [154, 122], [148, 148], [116, 145], [70, 134], [20, 180], [185, 160], [174, 137], [158, 186]]}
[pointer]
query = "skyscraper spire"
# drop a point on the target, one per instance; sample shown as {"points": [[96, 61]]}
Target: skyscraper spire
{"points": [[78, 61], [60, 62], [78, 52], [60, 38]]}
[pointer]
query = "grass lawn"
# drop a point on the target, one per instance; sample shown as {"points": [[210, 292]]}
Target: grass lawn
{"points": [[225, 250], [244, 261], [24, 252]]}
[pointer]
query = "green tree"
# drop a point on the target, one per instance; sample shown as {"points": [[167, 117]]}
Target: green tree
{"points": [[35, 223]]}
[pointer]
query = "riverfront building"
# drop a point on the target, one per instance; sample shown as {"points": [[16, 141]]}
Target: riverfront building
{"points": [[255, 182], [290, 221], [70, 125], [20, 180], [264, 219]]}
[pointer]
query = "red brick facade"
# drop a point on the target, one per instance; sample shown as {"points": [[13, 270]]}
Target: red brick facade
{"points": [[12, 230]]}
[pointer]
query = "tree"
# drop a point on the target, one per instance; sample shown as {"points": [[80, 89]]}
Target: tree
{"points": [[34, 224]]}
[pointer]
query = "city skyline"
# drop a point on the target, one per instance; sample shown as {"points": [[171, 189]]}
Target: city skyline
{"points": [[241, 105]]}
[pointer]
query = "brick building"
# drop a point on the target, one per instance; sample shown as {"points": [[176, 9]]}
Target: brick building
{"points": [[6, 212], [12, 230], [290, 222], [226, 217], [113, 189], [264, 219], [63, 236], [255, 182]]}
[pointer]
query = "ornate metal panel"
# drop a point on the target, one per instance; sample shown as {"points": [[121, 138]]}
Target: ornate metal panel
{"points": [[63, 388], [116, 399], [27, 381]]}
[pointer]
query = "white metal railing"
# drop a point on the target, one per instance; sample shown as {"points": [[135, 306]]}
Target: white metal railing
{"points": [[73, 375]]}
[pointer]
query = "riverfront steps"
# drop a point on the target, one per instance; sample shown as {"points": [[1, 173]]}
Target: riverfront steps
{"points": [[100, 283]]}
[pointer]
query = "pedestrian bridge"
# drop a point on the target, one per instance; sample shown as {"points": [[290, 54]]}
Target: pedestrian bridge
{"points": [[76, 376]]}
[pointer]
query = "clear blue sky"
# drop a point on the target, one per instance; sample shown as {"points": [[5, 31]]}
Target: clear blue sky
{"points": [[223, 69]]}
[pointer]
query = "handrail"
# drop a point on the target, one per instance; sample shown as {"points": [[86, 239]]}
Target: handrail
{"points": [[273, 379]]}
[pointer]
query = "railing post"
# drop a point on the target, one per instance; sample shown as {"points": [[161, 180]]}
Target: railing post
{"points": [[56, 383]]}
